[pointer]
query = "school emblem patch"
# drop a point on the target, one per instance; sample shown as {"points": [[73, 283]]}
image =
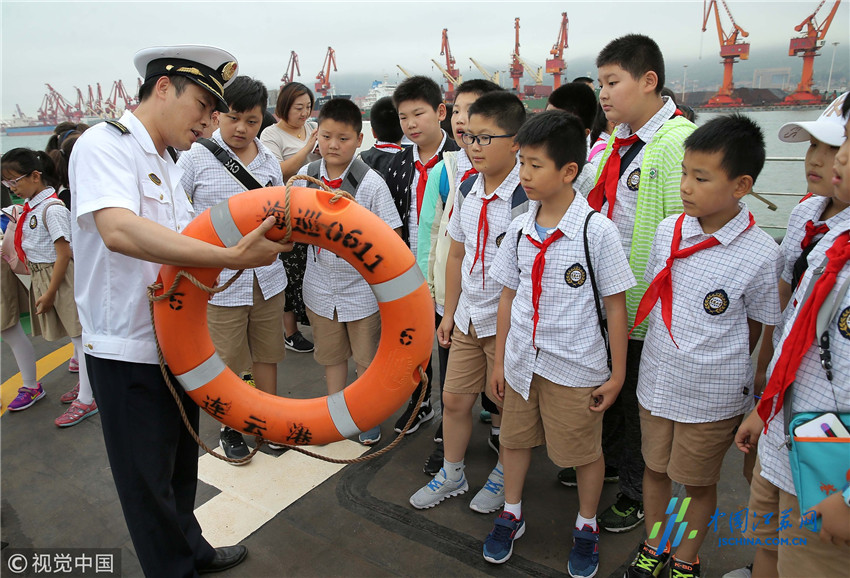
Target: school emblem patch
{"points": [[633, 180], [575, 276], [33, 222], [499, 240], [844, 323], [155, 179], [716, 302]]}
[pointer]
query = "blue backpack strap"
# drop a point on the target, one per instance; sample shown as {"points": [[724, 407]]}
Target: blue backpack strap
{"points": [[519, 202], [464, 189]]}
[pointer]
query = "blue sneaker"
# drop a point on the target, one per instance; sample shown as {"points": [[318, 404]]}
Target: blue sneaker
{"points": [[499, 544], [584, 557], [371, 437]]}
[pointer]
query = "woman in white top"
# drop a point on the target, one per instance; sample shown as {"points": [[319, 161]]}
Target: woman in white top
{"points": [[293, 138]]}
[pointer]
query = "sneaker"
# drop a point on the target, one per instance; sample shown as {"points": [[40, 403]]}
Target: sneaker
{"points": [[647, 564], [276, 447], [76, 413], [70, 396], [499, 544], [485, 416], [371, 437], [438, 490], [745, 572], [249, 379], [492, 496], [233, 445], [493, 442], [74, 366], [434, 461], [425, 413], [438, 435], [26, 397], [622, 516], [584, 557], [567, 476], [297, 342], [679, 569]]}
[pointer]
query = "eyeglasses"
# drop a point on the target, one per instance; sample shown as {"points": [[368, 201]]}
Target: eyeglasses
{"points": [[14, 182], [482, 139]]}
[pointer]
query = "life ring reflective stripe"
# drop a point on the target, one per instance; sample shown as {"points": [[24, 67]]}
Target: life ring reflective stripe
{"points": [[367, 243]]}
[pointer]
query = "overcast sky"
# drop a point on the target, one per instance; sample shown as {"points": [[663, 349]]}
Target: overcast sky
{"points": [[70, 44]]}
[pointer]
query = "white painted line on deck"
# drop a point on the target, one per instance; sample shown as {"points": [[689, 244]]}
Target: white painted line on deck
{"points": [[253, 494]]}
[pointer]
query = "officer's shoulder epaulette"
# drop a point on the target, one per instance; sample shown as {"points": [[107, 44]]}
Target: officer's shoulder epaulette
{"points": [[118, 126]]}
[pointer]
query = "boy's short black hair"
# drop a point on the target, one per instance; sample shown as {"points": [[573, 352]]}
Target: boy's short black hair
{"points": [[418, 88], [477, 86], [342, 110], [384, 119], [502, 107], [739, 140], [577, 98], [245, 94], [561, 135], [584, 79], [636, 54]]}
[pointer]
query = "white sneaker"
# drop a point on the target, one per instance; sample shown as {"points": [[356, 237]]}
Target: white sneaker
{"points": [[492, 496], [438, 490], [745, 572]]}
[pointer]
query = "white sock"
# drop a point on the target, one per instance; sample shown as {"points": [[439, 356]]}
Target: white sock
{"points": [[581, 522], [454, 470], [494, 431], [515, 509], [86, 395], [24, 353]]}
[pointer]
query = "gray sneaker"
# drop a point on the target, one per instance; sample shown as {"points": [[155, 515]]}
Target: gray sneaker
{"points": [[492, 496], [438, 490]]}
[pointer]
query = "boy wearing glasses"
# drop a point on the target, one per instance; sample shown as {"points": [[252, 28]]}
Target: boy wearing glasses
{"points": [[482, 211]]}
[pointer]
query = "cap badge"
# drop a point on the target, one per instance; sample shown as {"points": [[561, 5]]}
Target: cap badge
{"points": [[228, 71]]}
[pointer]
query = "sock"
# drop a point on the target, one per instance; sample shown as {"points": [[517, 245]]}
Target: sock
{"points": [[86, 394], [666, 549], [515, 509], [685, 562], [500, 467], [454, 470], [494, 431], [24, 353], [582, 522]]}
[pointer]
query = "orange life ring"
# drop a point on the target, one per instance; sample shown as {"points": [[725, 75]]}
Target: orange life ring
{"points": [[366, 242]]}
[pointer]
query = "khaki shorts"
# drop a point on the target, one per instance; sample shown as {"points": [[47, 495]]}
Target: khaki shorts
{"points": [[336, 341], [689, 453], [13, 297], [248, 334], [795, 560], [62, 320], [556, 415], [470, 363]]}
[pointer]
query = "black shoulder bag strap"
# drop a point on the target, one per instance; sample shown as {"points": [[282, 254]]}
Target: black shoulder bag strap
{"points": [[603, 324], [236, 169]]}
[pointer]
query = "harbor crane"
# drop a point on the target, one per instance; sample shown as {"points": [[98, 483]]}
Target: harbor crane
{"points": [[324, 85], [730, 51], [516, 70], [110, 107], [291, 69], [403, 71], [55, 109], [807, 46], [556, 65], [450, 72], [491, 77]]}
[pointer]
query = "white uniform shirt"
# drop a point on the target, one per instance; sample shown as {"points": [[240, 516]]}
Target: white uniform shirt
{"points": [[330, 283], [710, 376], [571, 350], [208, 183], [463, 165], [479, 301], [586, 179], [809, 210], [812, 391], [413, 214], [113, 170], [36, 238], [625, 207]]}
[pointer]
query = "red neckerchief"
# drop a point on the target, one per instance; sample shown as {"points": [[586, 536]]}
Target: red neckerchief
{"points": [[537, 275], [19, 229], [469, 173], [606, 187], [334, 184], [483, 226], [423, 180], [812, 231], [388, 145], [662, 285]]}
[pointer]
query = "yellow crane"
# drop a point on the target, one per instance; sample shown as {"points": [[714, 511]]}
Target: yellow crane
{"points": [[406, 73], [491, 77]]}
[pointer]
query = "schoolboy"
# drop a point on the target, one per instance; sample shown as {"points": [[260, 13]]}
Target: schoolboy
{"points": [[433, 225], [342, 309], [420, 106], [797, 359], [551, 368], [128, 212], [637, 186], [579, 99], [480, 217], [383, 117], [244, 320], [716, 275]]}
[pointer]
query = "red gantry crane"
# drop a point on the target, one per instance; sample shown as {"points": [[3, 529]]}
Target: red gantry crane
{"points": [[807, 46], [450, 73], [517, 69], [55, 109], [324, 76], [291, 68], [730, 51], [555, 65]]}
